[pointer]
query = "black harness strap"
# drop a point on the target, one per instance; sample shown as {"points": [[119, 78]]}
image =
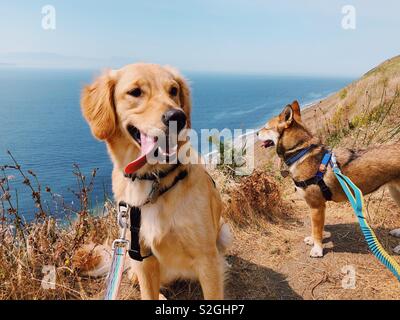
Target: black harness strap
{"points": [[136, 220], [319, 181]]}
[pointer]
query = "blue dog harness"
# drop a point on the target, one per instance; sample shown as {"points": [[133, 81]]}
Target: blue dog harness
{"points": [[300, 154], [318, 179]]}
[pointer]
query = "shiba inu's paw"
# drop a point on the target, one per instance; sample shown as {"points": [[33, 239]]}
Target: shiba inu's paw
{"points": [[395, 233], [161, 297], [397, 249], [317, 252], [309, 241]]}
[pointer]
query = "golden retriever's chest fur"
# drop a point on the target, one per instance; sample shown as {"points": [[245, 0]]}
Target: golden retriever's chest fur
{"points": [[166, 228], [154, 225]]}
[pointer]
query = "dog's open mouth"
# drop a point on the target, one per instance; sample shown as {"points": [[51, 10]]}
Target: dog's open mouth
{"points": [[135, 134], [149, 146], [268, 143]]}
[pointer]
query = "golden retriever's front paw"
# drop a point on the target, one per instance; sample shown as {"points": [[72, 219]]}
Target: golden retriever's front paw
{"points": [[395, 233], [309, 241], [161, 297], [317, 252]]}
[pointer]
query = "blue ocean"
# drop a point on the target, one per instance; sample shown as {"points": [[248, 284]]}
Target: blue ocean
{"points": [[41, 122]]}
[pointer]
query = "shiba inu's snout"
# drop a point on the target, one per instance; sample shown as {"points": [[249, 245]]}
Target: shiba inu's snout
{"points": [[268, 135]]}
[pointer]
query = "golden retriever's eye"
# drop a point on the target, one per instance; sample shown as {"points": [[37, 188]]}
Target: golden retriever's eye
{"points": [[173, 91], [137, 92]]}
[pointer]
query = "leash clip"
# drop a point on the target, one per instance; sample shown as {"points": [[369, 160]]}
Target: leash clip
{"points": [[120, 243], [123, 214], [334, 161], [123, 219]]}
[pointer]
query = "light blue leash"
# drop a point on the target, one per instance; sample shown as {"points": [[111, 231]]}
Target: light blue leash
{"points": [[356, 199], [119, 253]]}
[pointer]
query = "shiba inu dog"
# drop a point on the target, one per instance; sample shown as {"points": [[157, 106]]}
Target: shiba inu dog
{"points": [[182, 233], [303, 153]]}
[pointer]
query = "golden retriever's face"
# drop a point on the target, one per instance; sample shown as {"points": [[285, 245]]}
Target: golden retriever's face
{"points": [[139, 99], [144, 95]]}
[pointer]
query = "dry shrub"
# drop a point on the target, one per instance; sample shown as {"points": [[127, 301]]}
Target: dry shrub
{"points": [[254, 199]]}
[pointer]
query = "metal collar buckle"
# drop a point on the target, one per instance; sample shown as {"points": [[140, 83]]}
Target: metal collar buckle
{"points": [[155, 189]]}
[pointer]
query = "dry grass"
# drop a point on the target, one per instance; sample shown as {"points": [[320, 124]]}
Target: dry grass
{"points": [[364, 113], [254, 200], [22, 261], [27, 247]]}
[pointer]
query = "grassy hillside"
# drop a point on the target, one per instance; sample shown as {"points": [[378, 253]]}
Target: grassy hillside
{"points": [[365, 112]]}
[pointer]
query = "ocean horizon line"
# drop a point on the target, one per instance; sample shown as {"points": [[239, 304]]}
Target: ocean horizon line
{"points": [[96, 70]]}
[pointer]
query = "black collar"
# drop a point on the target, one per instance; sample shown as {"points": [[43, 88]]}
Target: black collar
{"points": [[153, 175], [157, 192], [156, 177]]}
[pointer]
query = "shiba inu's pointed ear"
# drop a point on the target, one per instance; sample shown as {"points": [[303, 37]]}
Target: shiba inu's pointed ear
{"points": [[97, 104], [296, 110], [286, 116], [184, 94]]}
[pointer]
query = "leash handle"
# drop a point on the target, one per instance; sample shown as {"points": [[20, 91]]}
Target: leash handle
{"points": [[117, 269]]}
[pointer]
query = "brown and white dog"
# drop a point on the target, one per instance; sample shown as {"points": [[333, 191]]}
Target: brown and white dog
{"points": [[369, 169], [183, 227]]}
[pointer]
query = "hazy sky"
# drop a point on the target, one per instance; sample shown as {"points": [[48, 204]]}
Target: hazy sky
{"points": [[291, 37]]}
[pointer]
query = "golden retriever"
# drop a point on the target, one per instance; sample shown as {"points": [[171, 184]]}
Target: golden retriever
{"points": [[182, 227]]}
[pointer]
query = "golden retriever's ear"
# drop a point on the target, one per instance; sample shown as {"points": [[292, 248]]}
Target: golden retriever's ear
{"points": [[184, 94], [98, 108], [296, 110]]}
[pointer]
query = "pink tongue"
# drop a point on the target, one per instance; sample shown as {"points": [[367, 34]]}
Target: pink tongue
{"points": [[147, 145]]}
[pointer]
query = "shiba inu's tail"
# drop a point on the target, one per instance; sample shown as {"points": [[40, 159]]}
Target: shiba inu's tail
{"points": [[225, 238]]}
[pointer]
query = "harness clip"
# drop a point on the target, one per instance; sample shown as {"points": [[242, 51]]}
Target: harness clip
{"points": [[120, 243], [334, 161]]}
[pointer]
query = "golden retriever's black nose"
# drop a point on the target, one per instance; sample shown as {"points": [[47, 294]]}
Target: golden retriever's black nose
{"points": [[175, 115]]}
